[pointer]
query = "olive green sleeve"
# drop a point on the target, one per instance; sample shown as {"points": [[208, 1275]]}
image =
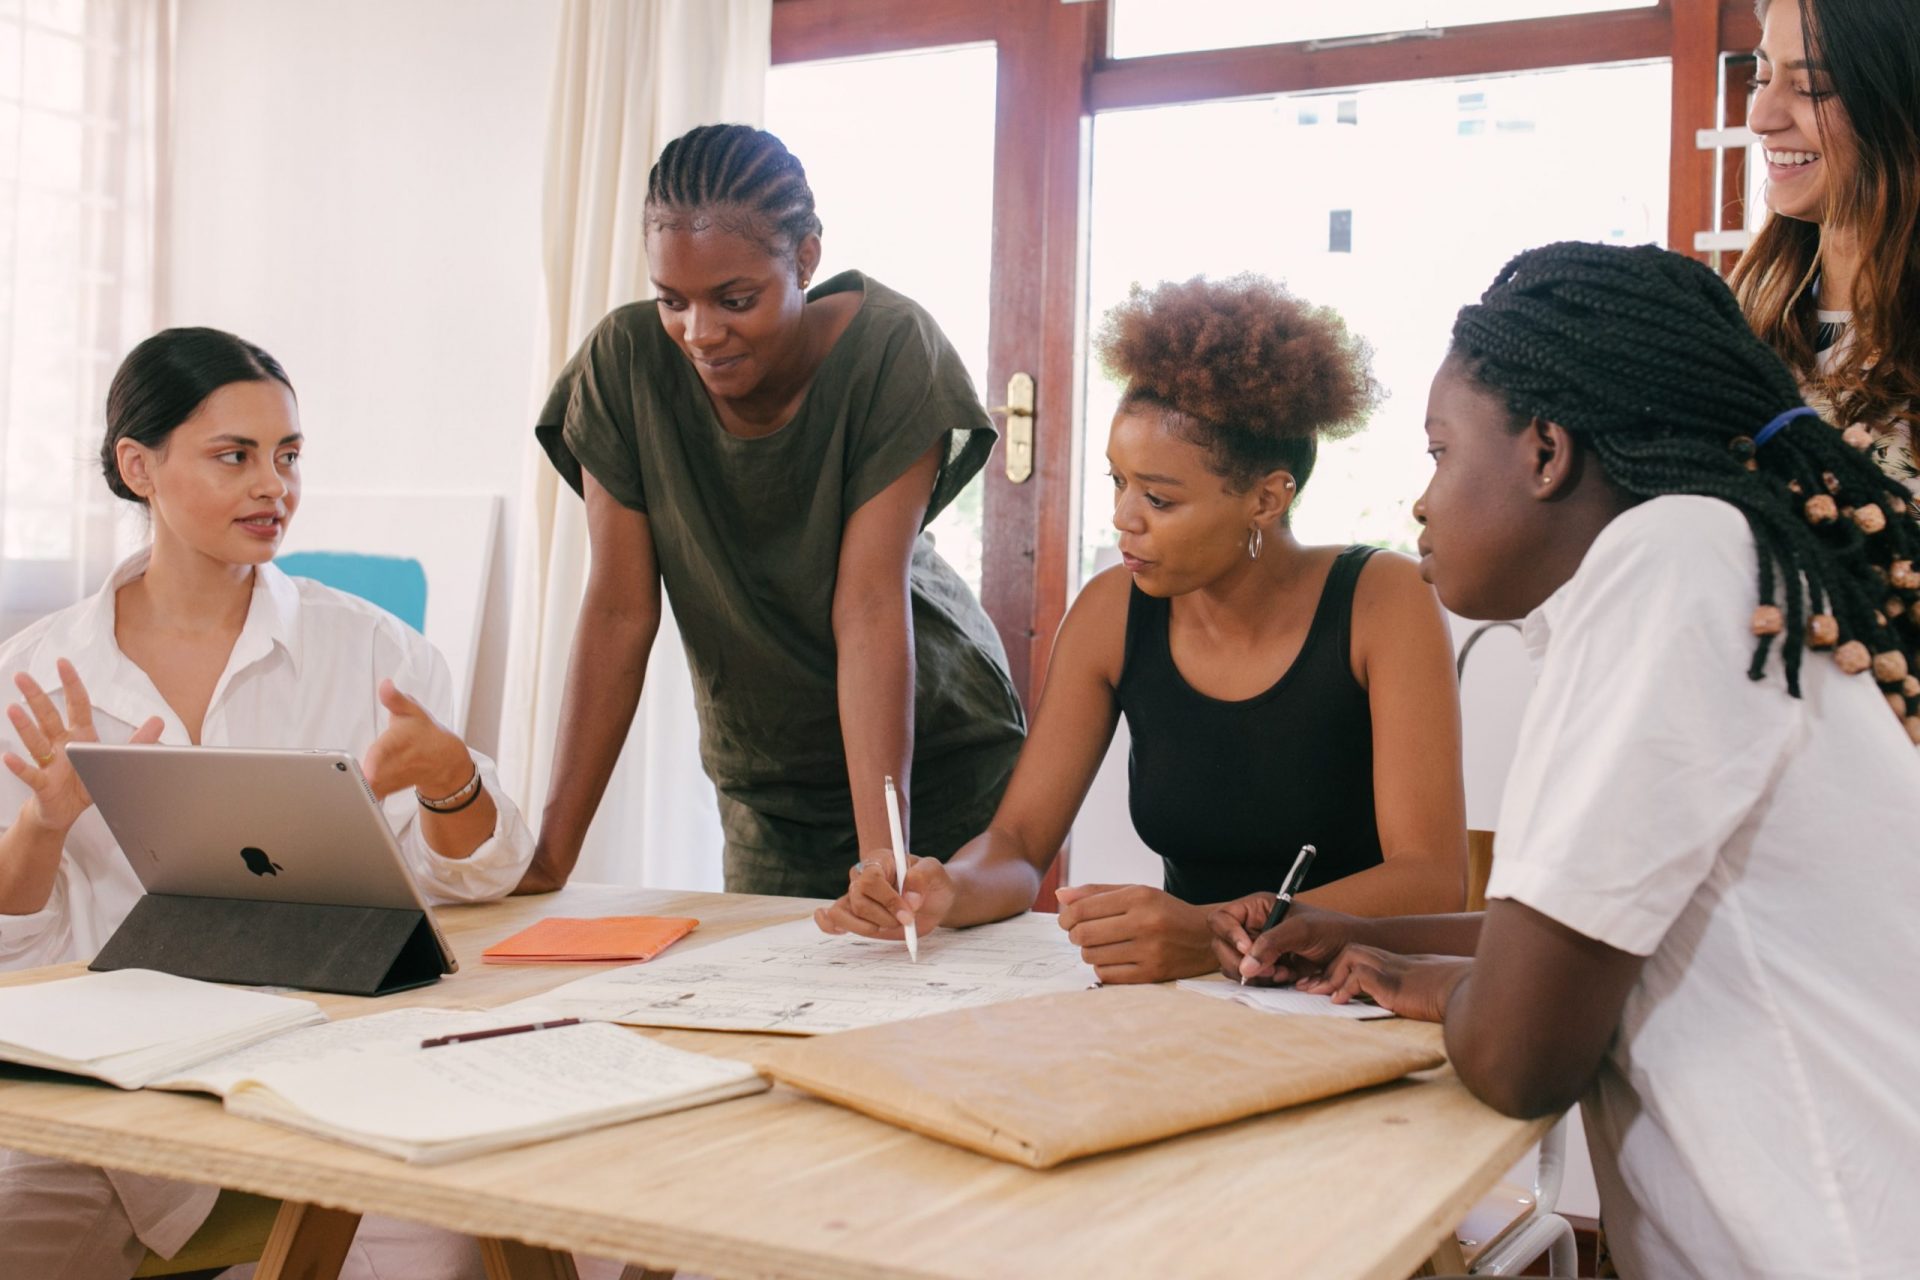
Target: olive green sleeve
{"points": [[924, 395], [588, 423]]}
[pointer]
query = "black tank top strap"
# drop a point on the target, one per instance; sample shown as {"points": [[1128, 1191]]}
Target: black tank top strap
{"points": [[1336, 600], [1147, 646]]}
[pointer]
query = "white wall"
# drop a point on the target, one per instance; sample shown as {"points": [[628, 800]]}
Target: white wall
{"points": [[356, 187]]}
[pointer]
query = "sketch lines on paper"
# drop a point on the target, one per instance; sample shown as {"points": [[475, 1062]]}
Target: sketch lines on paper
{"points": [[792, 978]]}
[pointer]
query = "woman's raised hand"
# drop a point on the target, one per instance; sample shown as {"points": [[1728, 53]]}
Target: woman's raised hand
{"points": [[59, 797], [415, 750]]}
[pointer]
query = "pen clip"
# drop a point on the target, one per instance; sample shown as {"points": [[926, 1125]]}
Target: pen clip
{"points": [[1292, 880]]}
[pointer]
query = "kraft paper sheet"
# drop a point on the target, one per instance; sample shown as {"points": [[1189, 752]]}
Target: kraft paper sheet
{"points": [[1044, 1080]]}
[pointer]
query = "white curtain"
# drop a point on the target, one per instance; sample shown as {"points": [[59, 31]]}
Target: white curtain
{"points": [[82, 97], [631, 75]]}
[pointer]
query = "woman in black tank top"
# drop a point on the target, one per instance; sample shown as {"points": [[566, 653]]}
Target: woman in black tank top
{"points": [[1277, 694], [1205, 773]]}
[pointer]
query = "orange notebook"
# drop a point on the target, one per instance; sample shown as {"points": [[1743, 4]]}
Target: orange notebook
{"points": [[558, 940]]}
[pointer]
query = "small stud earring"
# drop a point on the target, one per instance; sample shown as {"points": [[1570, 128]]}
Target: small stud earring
{"points": [[1546, 477]]}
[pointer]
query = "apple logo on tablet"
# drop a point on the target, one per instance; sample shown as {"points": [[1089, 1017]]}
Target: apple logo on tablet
{"points": [[259, 863]]}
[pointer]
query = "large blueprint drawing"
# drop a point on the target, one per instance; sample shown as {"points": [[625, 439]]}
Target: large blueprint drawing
{"points": [[794, 979]]}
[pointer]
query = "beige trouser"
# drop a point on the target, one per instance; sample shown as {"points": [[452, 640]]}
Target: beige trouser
{"points": [[66, 1221]]}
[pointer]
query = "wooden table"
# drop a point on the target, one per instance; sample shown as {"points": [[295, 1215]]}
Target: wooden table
{"points": [[781, 1184]]}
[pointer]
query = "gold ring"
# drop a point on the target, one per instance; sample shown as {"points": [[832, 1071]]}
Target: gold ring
{"points": [[43, 760]]}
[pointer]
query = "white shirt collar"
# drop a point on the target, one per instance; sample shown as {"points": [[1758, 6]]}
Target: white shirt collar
{"points": [[1536, 629], [119, 687]]}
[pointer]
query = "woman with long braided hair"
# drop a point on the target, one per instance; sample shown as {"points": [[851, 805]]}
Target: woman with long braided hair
{"points": [[1699, 919], [769, 453]]}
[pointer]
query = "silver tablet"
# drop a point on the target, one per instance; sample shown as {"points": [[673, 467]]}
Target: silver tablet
{"points": [[257, 824]]}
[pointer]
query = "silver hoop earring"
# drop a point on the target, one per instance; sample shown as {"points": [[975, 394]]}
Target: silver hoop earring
{"points": [[1255, 541]]}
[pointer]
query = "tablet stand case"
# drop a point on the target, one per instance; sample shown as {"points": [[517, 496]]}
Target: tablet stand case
{"points": [[355, 951]]}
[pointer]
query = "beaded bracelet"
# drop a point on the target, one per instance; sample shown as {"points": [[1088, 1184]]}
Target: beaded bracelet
{"points": [[466, 795]]}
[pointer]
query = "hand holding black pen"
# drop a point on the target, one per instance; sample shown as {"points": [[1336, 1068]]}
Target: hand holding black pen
{"points": [[1289, 886]]}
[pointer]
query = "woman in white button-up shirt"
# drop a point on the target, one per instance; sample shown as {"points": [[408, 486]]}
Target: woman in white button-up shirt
{"points": [[200, 639]]}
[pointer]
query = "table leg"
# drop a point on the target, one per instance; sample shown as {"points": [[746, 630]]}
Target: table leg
{"points": [[1448, 1260], [307, 1243], [514, 1260]]}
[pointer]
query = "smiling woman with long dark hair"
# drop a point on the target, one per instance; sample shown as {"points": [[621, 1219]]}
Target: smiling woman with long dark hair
{"points": [[1832, 281]]}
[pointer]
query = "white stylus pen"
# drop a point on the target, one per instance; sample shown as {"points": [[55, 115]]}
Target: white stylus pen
{"points": [[900, 864]]}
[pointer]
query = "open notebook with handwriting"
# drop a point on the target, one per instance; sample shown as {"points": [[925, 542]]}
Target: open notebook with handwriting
{"points": [[367, 1080]]}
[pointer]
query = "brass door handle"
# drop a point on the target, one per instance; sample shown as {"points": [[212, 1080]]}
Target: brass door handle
{"points": [[1019, 414]]}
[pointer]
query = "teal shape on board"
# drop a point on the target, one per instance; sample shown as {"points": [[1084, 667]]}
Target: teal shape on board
{"points": [[395, 583]]}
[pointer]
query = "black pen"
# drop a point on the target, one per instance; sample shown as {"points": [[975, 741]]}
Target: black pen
{"points": [[464, 1036], [1288, 887]]}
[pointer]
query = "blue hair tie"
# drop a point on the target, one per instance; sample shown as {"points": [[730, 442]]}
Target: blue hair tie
{"points": [[1773, 428]]}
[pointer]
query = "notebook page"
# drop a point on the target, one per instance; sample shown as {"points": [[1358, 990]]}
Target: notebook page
{"points": [[531, 1084], [103, 1015], [393, 1030], [1281, 999]]}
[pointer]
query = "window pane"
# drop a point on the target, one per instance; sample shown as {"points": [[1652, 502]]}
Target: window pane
{"points": [[899, 151], [1396, 220], [1142, 28]]}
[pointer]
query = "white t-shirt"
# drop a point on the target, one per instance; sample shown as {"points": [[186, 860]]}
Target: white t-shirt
{"points": [[1758, 1114], [305, 672]]}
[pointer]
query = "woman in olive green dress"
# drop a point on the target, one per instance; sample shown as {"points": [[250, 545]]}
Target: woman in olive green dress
{"points": [[771, 455]]}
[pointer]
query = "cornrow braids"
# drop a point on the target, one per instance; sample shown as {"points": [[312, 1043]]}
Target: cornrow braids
{"points": [[1644, 356], [741, 178]]}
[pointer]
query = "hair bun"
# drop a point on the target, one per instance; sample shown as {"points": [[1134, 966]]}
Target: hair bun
{"points": [[1243, 354]]}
